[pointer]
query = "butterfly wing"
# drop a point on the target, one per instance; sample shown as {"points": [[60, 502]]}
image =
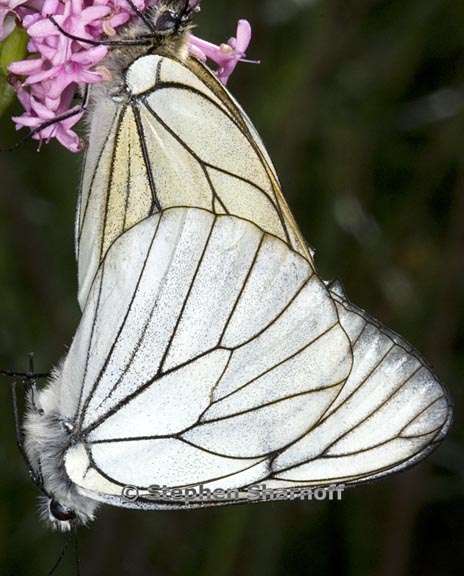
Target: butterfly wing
{"points": [[180, 140], [391, 412], [210, 353], [209, 350]]}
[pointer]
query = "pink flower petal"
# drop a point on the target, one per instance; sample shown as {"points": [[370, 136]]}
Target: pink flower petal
{"points": [[7, 24], [243, 36], [44, 28], [41, 110], [40, 76], [69, 139], [26, 121], [94, 13], [50, 7], [91, 56], [197, 52], [24, 67]]}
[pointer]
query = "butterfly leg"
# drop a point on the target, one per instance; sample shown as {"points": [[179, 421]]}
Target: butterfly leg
{"points": [[29, 379]]}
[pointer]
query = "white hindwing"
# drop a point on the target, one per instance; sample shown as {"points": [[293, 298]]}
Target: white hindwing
{"points": [[210, 353]]}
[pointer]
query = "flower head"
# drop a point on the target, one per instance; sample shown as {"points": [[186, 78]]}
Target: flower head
{"points": [[58, 66], [37, 114]]}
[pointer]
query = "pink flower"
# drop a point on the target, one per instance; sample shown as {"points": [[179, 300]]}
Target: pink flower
{"points": [[38, 114], [59, 66], [226, 56]]}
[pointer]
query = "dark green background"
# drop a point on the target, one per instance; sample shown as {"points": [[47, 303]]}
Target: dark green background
{"points": [[361, 103]]}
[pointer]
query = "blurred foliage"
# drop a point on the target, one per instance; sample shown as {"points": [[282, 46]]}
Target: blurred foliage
{"points": [[13, 48], [361, 103]]}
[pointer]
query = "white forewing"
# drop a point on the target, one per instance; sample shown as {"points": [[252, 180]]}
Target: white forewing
{"points": [[183, 141], [216, 356], [114, 194]]}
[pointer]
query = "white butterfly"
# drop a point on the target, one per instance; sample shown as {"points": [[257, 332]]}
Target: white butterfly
{"points": [[209, 351]]}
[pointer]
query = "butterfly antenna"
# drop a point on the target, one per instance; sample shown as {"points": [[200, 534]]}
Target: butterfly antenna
{"points": [[30, 379], [143, 40], [60, 558], [30, 375], [25, 375]]}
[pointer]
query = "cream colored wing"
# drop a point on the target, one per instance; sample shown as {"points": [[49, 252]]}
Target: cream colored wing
{"points": [[210, 353], [175, 137]]}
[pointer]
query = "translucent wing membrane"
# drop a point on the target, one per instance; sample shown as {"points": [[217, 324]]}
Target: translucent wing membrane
{"points": [[391, 411], [209, 350], [180, 140], [210, 353]]}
